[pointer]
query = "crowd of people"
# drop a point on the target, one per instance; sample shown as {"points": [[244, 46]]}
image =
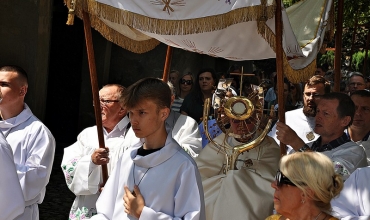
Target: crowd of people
{"points": [[163, 162]]}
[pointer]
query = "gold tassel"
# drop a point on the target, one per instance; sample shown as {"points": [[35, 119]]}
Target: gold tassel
{"points": [[71, 13], [71, 17]]}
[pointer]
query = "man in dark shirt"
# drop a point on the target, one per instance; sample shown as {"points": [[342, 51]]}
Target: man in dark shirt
{"points": [[335, 112]]}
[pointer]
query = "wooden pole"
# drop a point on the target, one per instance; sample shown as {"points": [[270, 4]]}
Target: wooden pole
{"points": [[366, 53], [94, 86], [279, 67], [353, 39], [338, 46], [167, 64]]}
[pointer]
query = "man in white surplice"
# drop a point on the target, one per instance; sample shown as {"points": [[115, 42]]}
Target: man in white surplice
{"points": [[154, 179], [11, 202], [81, 160], [302, 120], [32, 143]]}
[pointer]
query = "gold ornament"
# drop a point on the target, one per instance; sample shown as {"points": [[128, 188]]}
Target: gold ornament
{"points": [[310, 136]]}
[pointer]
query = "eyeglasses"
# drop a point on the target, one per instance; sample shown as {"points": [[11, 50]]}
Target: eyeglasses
{"points": [[356, 84], [281, 179], [187, 82], [107, 101]]}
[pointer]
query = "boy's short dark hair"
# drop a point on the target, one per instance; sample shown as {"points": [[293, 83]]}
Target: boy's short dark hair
{"points": [[152, 89]]}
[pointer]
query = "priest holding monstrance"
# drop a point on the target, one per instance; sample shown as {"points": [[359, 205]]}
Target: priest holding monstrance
{"points": [[238, 166]]}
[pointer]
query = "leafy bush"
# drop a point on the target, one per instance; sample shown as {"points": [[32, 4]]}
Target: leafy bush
{"points": [[358, 62]]}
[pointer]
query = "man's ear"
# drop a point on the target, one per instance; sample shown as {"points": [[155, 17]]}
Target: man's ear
{"points": [[345, 120], [164, 113], [23, 91], [122, 112]]}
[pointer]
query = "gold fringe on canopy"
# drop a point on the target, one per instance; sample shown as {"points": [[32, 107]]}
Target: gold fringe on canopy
{"points": [[180, 27], [121, 40], [112, 35], [294, 76], [301, 75]]}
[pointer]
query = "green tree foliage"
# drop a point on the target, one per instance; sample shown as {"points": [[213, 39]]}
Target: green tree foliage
{"points": [[353, 10], [327, 58], [288, 3], [358, 62]]}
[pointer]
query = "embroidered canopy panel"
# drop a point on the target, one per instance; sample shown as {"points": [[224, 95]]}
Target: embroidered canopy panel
{"points": [[232, 29]]}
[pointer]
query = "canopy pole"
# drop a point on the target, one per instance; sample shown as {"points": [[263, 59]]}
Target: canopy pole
{"points": [[338, 46], [353, 40], [94, 86], [167, 64], [366, 53], [279, 66]]}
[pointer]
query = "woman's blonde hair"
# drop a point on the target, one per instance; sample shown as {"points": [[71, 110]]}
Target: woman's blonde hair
{"points": [[314, 171]]}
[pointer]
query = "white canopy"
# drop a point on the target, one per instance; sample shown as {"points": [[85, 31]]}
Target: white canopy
{"points": [[232, 29]]}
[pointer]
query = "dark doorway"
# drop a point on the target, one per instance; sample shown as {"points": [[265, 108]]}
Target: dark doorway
{"points": [[66, 54]]}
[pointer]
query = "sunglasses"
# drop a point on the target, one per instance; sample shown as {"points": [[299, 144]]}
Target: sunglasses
{"points": [[187, 82], [281, 179]]}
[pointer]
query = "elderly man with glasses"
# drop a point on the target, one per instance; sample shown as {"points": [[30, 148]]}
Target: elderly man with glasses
{"points": [[81, 160], [356, 81]]}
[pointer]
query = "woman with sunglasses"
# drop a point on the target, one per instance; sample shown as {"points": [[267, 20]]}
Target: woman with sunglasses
{"points": [[185, 85], [304, 187], [203, 89]]}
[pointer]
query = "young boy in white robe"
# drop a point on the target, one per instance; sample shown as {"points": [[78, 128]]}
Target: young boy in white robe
{"points": [[155, 179]]}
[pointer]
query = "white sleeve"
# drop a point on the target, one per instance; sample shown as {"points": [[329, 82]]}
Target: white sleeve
{"points": [[347, 159], [34, 174], [354, 200], [81, 174], [106, 202], [12, 201], [188, 136]]}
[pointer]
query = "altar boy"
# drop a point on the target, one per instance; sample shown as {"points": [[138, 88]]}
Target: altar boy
{"points": [[155, 179]]}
